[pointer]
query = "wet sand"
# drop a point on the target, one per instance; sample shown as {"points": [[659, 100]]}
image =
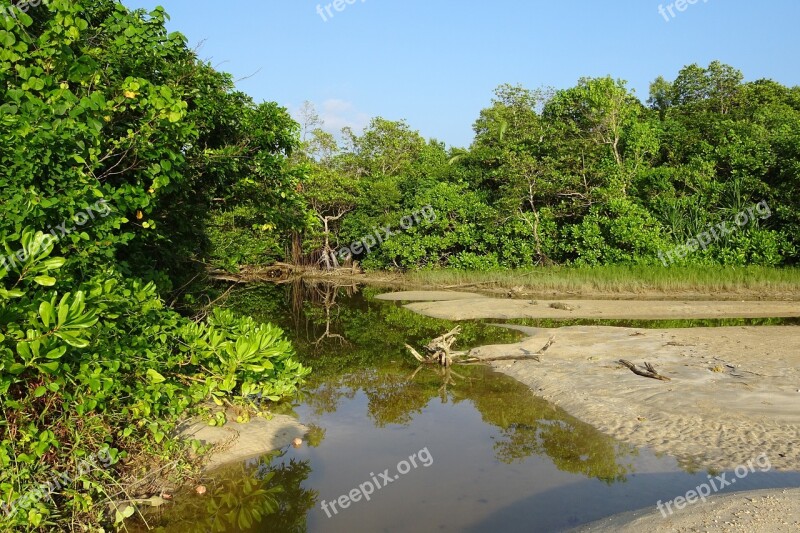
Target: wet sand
{"points": [[733, 393], [775, 511], [467, 306]]}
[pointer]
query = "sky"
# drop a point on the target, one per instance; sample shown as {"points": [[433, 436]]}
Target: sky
{"points": [[436, 63]]}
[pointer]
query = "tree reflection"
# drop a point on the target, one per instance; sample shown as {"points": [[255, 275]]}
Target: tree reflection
{"points": [[261, 495], [376, 363]]}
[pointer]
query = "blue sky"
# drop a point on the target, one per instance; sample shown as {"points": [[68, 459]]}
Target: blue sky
{"points": [[436, 63]]}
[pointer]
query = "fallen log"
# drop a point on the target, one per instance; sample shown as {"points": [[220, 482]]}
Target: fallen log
{"points": [[648, 372]]}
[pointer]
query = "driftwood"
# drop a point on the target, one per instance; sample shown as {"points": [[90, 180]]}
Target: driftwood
{"points": [[440, 349], [274, 272], [535, 356], [441, 353], [648, 372]]}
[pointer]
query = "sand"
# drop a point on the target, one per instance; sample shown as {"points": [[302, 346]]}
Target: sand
{"points": [[733, 394], [466, 306], [235, 442], [734, 391], [775, 511]]}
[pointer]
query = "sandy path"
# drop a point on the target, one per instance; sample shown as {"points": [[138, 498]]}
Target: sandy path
{"points": [[465, 306]]}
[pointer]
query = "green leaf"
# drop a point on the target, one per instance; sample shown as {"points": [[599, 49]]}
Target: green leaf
{"points": [[56, 353], [52, 263], [71, 339], [45, 281], [50, 368], [46, 312], [123, 512], [155, 377]]}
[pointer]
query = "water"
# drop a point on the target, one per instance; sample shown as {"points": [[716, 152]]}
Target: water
{"points": [[489, 454]]}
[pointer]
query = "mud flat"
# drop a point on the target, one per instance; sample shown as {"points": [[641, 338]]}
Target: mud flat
{"points": [[733, 394]]}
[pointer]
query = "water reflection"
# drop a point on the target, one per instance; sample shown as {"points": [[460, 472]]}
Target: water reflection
{"points": [[264, 494], [356, 343], [368, 402]]}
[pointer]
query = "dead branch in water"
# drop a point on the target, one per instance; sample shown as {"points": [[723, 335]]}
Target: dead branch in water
{"points": [[441, 353], [648, 372], [440, 349]]}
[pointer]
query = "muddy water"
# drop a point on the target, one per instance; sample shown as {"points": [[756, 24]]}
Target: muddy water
{"points": [[465, 450]]}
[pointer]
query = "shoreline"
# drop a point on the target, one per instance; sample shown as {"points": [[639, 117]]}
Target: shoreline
{"points": [[733, 392], [773, 510]]}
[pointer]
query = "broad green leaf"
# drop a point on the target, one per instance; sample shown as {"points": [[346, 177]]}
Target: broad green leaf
{"points": [[45, 281], [154, 376], [72, 340]]}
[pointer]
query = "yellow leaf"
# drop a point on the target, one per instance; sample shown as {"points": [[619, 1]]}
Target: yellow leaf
{"points": [[129, 94]]}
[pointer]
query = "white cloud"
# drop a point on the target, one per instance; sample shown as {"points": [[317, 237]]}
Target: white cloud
{"points": [[337, 114]]}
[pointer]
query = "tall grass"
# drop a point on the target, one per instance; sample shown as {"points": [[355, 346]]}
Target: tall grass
{"points": [[621, 279]]}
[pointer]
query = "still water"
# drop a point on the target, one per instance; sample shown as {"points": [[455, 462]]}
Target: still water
{"points": [[464, 450]]}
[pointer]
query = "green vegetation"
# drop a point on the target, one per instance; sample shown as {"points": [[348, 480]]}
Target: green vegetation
{"points": [[128, 168], [764, 281], [584, 176], [114, 141]]}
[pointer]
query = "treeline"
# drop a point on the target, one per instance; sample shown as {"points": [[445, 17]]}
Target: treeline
{"points": [[115, 143], [588, 175]]}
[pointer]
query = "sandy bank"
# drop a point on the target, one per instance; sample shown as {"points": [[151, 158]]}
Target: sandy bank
{"points": [[733, 394], [463, 307], [235, 442], [734, 391], [776, 511]]}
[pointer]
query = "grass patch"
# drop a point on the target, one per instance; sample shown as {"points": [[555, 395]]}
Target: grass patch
{"points": [[620, 279]]}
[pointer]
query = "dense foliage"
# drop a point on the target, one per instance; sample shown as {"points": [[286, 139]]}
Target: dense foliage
{"points": [[585, 176], [115, 142], [128, 167]]}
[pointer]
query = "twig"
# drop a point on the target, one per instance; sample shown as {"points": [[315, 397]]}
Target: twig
{"points": [[534, 356], [649, 372]]}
